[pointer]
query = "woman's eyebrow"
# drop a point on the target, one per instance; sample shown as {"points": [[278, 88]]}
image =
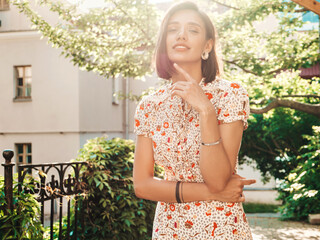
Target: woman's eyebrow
{"points": [[189, 23]]}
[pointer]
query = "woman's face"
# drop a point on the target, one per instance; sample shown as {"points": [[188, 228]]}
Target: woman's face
{"points": [[186, 37]]}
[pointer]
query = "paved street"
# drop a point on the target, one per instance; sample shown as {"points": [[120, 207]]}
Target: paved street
{"points": [[268, 227]]}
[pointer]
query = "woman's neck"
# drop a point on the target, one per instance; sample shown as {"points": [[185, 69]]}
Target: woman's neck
{"points": [[194, 70]]}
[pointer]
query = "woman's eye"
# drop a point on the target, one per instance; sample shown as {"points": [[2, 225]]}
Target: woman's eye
{"points": [[194, 30], [172, 29]]}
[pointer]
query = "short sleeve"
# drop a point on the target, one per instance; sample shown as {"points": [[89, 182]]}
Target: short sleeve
{"points": [[234, 105], [142, 118]]}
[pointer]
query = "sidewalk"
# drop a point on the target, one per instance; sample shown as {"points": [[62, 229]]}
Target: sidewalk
{"points": [[266, 226]]}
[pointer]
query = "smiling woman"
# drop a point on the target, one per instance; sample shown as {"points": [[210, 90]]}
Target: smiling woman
{"points": [[192, 126]]}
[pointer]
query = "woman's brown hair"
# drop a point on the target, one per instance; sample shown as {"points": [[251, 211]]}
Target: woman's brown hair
{"points": [[164, 67]]}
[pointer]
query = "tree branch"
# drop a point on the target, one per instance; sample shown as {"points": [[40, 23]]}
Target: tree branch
{"points": [[307, 96], [301, 10], [237, 65], [313, 109], [226, 5]]}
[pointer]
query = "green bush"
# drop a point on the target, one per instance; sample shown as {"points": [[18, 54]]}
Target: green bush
{"points": [[111, 209], [259, 208], [300, 192], [24, 221]]}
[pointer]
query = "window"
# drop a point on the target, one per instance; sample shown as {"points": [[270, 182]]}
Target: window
{"points": [[23, 78], [4, 5], [24, 153]]}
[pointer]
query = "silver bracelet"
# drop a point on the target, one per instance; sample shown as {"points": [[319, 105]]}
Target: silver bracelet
{"points": [[212, 143]]}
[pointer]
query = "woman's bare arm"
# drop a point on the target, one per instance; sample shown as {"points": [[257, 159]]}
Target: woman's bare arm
{"points": [[148, 187], [218, 162]]}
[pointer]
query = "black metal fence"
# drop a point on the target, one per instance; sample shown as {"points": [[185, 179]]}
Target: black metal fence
{"points": [[57, 182]]}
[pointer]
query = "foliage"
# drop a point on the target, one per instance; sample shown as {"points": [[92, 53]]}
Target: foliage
{"points": [[65, 222], [24, 221], [111, 209], [300, 192], [111, 40], [259, 208], [274, 140]]}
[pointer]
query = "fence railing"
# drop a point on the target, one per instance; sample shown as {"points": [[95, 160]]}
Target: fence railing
{"points": [[57, 181]]}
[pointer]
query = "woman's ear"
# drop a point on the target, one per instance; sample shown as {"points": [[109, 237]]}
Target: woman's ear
{"points": [[209, 45]]}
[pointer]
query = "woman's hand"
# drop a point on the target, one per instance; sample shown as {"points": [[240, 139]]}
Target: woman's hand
{"points": [[233, 192], [191, 92]]}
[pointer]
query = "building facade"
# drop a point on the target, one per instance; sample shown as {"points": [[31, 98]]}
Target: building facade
{"points": [[50, 107]]}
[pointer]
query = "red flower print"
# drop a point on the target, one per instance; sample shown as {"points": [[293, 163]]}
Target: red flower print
{"points": [[176, 225], [168, 140], [162, 203], [190, 120], [244, 217], [197, 152], [169, 217], [235, 232], [219, 208], [230, 205], [147, 115], [166, 125], [197, 204], [188, 224], [214, 228], [160, 103], [228, 213], [208, 213], [226, 94], [171, 106], [157, 230], [192, 165], [219, 111], [170, 168], [235, 85], [209, 95], [152, 133], [235, 219], [137, 122], [175, 236], [226, 115], [172, 207], [197, 125], [215, 225], [158, 128], [168, 149], [181, 176], [186, 207], [141, 107], [163, 133], [154, 144]]}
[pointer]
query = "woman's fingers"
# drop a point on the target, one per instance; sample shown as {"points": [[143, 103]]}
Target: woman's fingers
{"points": [[184, 73]]}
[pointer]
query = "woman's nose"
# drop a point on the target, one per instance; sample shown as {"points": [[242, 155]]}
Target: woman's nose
{"points": [[182, 34]]}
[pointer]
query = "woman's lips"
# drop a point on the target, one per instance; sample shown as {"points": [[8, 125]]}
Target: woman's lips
{"points": [[180, 47]]}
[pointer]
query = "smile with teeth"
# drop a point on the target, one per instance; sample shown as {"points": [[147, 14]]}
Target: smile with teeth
{"points": [[180, 47]]}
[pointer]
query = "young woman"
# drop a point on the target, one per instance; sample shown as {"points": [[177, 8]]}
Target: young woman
{"points": [[192, 126]]}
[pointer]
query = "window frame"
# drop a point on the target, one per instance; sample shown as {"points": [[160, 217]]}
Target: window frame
{"points": [[4, 5], [24, 84], [24, 153]]}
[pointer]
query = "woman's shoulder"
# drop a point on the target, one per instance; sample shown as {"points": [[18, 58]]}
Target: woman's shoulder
{"points": [[155, 96], [223, 85]]}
